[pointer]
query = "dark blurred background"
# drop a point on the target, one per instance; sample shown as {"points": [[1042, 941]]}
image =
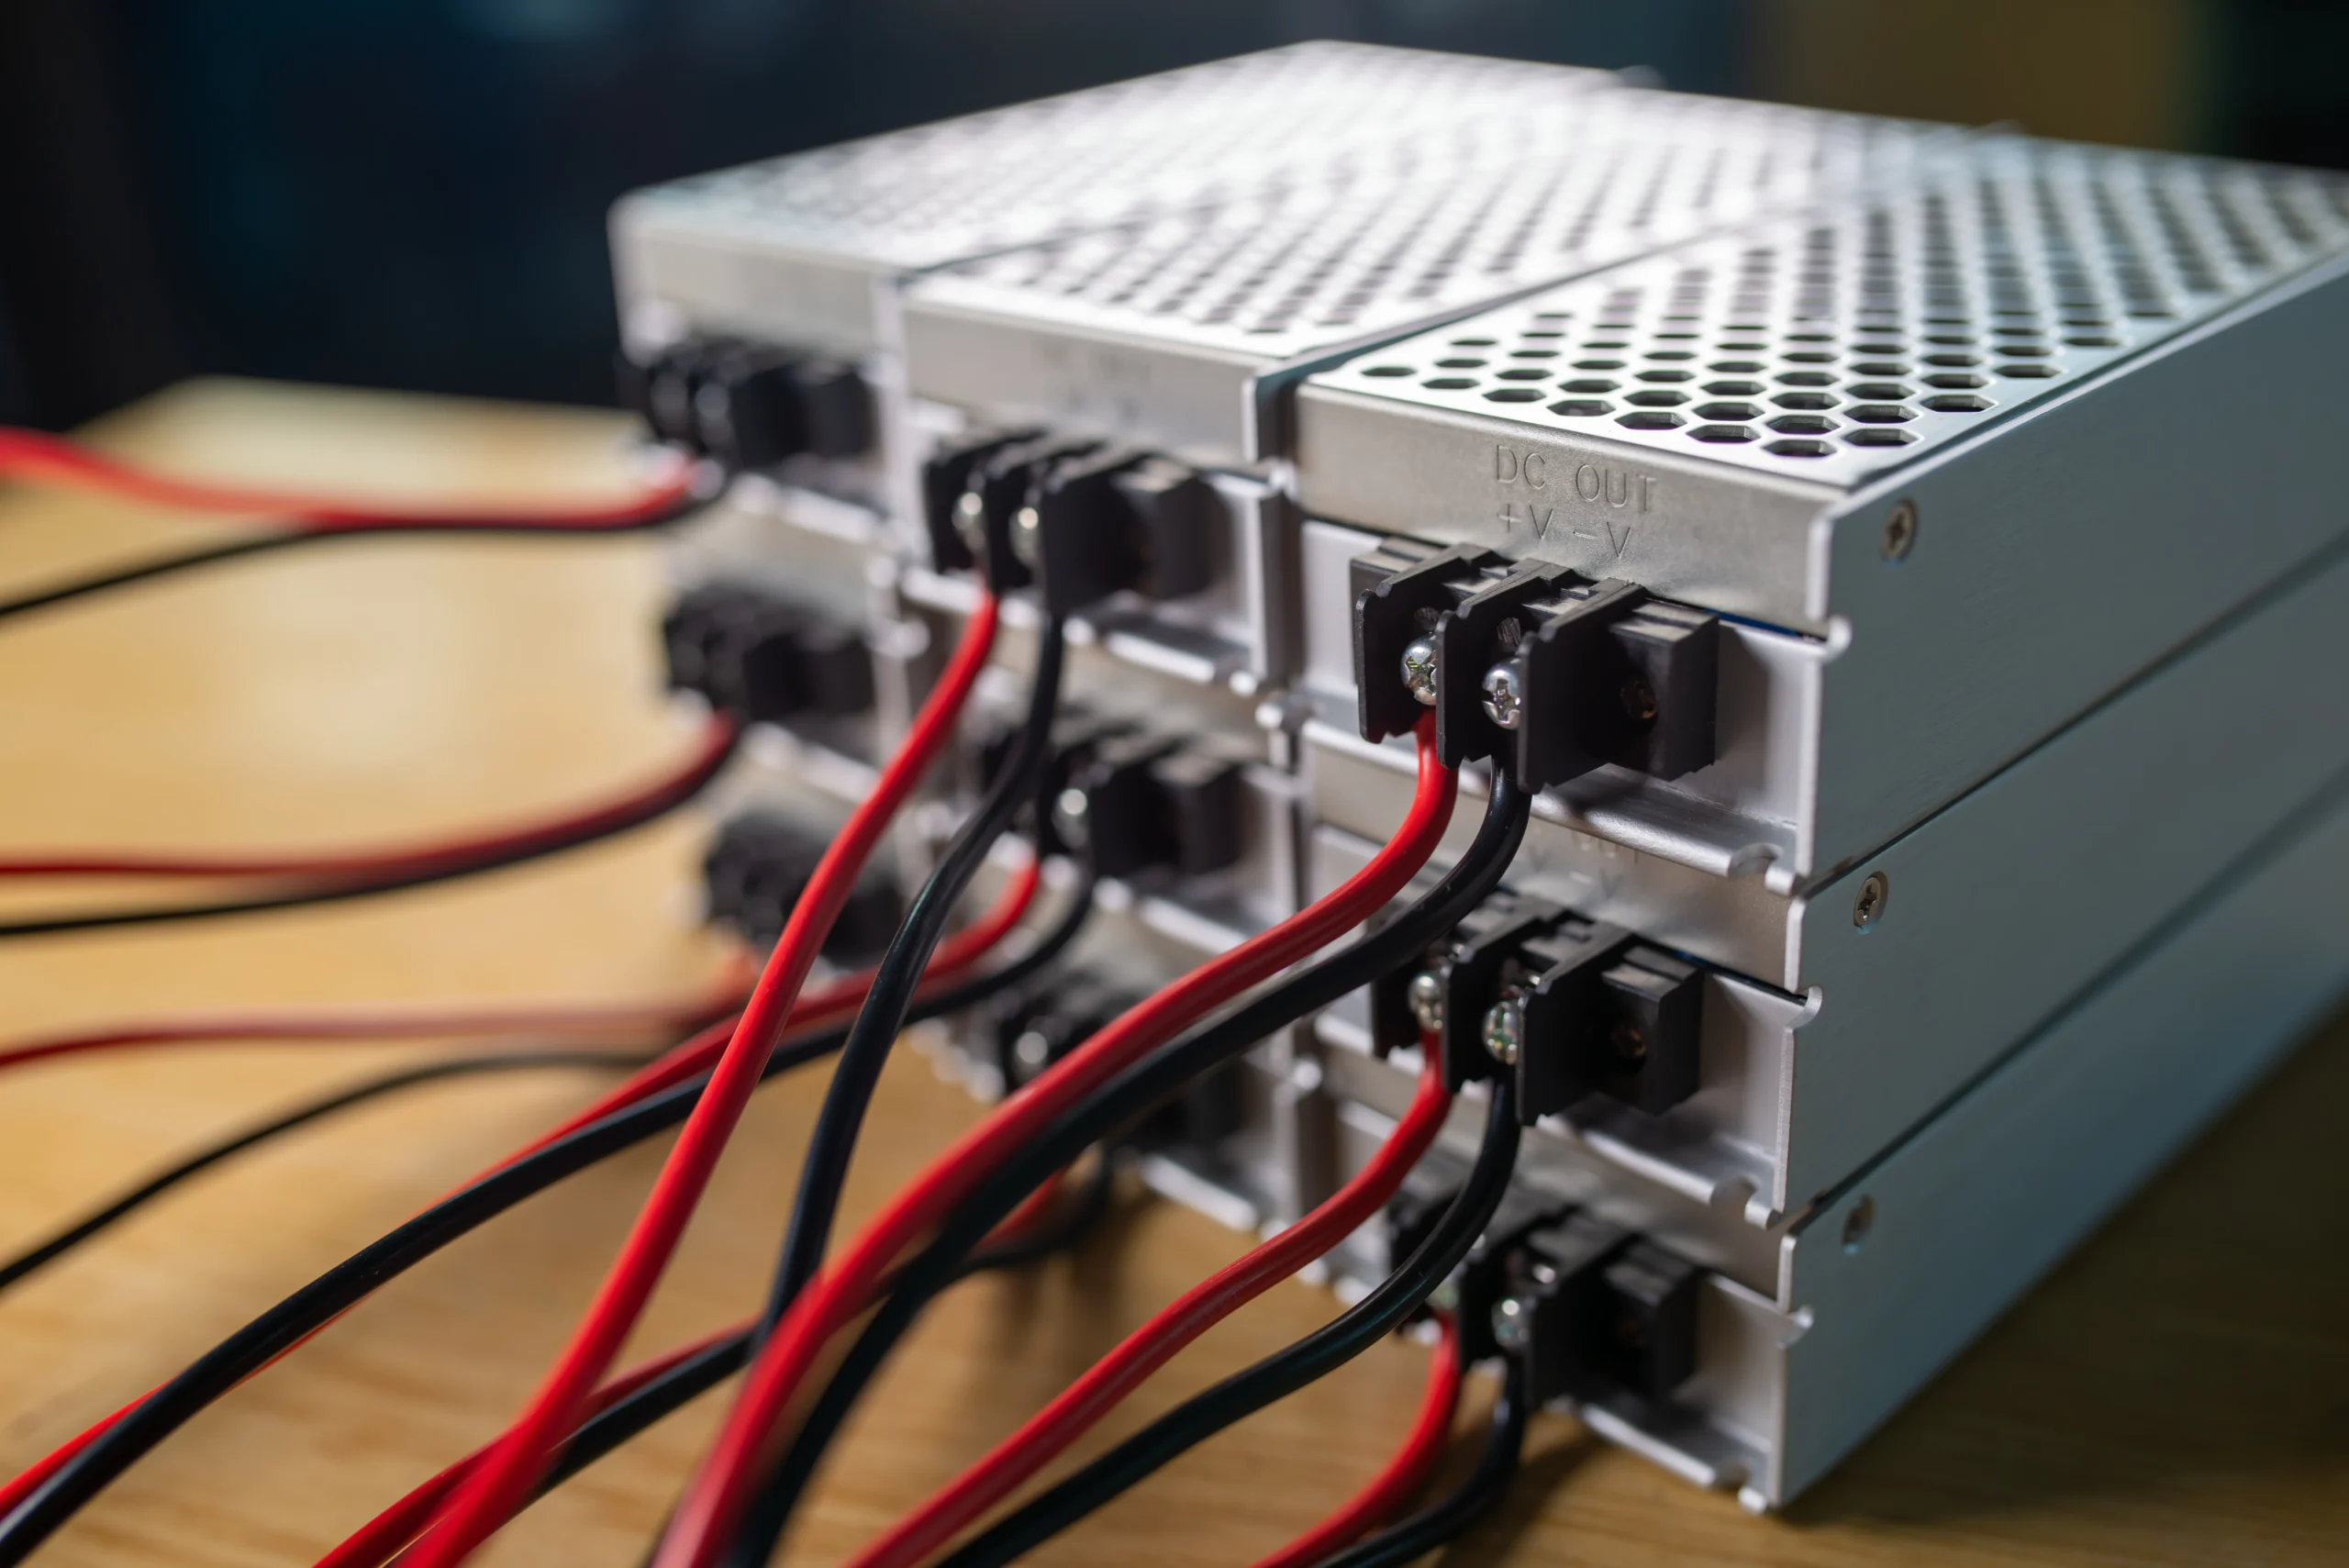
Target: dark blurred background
{"points": [[411, 192]]}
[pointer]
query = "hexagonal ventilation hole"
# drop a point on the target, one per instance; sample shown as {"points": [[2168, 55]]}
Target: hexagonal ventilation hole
{"points": [[1591, 384], [1738, 367], [1726, 411], [1653, 398], [1809, 400], [1957, 379], [1878, 413], [1795, 446], [1879, 436], [1522, 372], [1953, 360], [1879, 367], [1388, 370], [1722, 435], [1958, 403], [1649, 419], [2029, 371], [1734, 388], [1877, 390], [2024, 350], [1664, 376], [1514, 394], [1449, 382], [1458, 365], [1583, 409], [2093, 341], [1533, 353], [1474, 342], [1802, 425], [1806, 378], [1598, 364]]}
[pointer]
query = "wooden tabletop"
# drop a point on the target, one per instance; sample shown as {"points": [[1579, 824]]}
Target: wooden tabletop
{"points": [[2177, 1393]]}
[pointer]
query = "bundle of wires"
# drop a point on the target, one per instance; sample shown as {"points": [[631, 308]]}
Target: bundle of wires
{"points": [[34, 457], [291, 881]]}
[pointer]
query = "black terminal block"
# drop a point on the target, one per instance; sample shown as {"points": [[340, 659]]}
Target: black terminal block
{"points": [[1533, 664], [1114, 521], [750, 406], [1001, 484], [1598, 1311], [1599, 1011], [752, 653], [1145, 801], [946, 477], [1484, 1276], [759, 864], [1034, 1028]]}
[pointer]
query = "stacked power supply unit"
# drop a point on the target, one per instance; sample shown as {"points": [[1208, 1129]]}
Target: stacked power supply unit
{"points": [[1908, 562]]}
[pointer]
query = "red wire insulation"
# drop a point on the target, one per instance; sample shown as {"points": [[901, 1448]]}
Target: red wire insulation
{"points": [[822, 1005], [502, 1480], [720, 1489], [38, 458], [715, 743], [1403, 1475], [1114, 1376]]}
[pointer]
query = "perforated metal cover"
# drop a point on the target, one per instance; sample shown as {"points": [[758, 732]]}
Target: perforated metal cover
{"points": [[916, 198], [1489, 203], [1830, 347]]}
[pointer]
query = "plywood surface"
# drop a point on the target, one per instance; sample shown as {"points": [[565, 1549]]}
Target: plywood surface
{"points": [[2178, 1393]]}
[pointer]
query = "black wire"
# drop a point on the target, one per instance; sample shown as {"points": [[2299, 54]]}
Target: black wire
{"points": [[1451, 1516], [1278, 1375], [654, 806], [823, 1171], [271, 544], [1127, 1097], [83, 1229], [252, 1347]]}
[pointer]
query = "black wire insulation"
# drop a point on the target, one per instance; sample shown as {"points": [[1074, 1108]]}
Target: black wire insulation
{"points": [[44, 1253], [250, 1348], [314, 892], [1121, 1100], [1453, 1515], [148, 571], [823, 1171], [1317, 1355]]}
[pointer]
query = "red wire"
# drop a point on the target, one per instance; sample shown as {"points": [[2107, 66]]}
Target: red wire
{"points": [[717, 741], [822, 1003], [1152, 1346], [719, 1490], [38, 458], [502, 1480], [1402, 1474]]}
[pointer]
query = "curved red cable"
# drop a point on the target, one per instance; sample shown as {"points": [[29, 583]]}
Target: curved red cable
{"points": [[820, 1004], [40, 457], [490, 1494], [715, 743], [714, 1500], [1405, 1473], [1073, 1412]]}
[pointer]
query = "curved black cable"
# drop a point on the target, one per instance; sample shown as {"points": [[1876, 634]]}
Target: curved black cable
{"points": [[1278, 1375], [269, 543], [253, 1346], [1119, 1102], [823, 1171], [550, 843], [1451, 1516], [43, 1253]]}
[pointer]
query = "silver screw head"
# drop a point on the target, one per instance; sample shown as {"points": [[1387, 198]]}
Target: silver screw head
{"points": [[1419, 671], [971, 522], [1028, 538], [1425, 995], [1504, 697], [1072, 817], [1512, 1324], [1874, 894], [1505, 1030]]}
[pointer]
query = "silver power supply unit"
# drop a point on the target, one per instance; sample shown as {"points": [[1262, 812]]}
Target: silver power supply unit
{"points": [[1903, 561]]}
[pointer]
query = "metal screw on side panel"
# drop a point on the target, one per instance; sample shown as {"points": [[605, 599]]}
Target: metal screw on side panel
{"points": [[1512, 1324], [1419, 671], [1425, 995], [1028, 538], [1504, 698], [1900, 531], [1505, 1029], [971, 522], [1874, 894], [1858, 1223]]}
